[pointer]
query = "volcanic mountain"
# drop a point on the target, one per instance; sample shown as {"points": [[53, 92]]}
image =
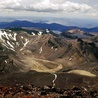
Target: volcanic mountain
{"points": [[43, 51]]}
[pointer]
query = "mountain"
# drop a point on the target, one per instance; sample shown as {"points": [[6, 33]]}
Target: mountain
{"points": [[52, 26], [76, 33], [41, 57], [18, 23], [23, 47]]}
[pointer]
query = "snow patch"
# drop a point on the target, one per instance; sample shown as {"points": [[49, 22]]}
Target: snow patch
{"points": [[40, 33], [10, 35], [10, 44], [51, 47], [10, 30], [3, 34], [5, 45], [17, 44], [15, 36], [47, 31], [12, 49], [26, 42], [84, 88], [40, 50], [21, 49], [21, 37], [8, 47], [7, 35], [33, 33], [70, 59], [5, 61], [56, 49]]}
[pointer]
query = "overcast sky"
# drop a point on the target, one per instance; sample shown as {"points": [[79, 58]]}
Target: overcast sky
{"points": [[50, 8], [59, 8]]}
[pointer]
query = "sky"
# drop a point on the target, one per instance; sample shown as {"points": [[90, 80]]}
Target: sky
{"points": [[56, 9]]}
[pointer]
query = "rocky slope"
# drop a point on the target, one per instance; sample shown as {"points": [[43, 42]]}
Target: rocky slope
{"points": [[27, 49], [24, 49]]}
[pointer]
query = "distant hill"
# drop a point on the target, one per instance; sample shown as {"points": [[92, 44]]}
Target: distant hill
{"points": [[52, 26]]}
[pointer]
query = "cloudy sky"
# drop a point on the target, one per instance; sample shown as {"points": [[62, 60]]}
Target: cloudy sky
{"points": [[85, 9]]}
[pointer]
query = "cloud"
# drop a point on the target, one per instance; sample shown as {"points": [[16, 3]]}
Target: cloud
{"points": [[48, 6], [10, 4], [44, 6], [92, 14], [74, 7]]}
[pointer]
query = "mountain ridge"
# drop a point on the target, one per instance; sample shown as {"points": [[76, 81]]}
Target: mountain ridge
{"points": [[52, 26]]}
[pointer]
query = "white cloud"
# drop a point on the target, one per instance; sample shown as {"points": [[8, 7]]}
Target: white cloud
{"points": [[10, 4], [48, 6], [45, 6], [92, 14], [73, 7]]}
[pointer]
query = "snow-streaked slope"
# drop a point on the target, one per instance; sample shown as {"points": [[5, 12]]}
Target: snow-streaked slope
{"points": [[11, 40]]}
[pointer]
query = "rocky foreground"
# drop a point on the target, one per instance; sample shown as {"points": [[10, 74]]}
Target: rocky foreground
{"points": [[31, 91]]}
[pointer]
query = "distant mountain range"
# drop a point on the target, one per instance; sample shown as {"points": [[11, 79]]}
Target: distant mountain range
{"points": [[52, 26]]}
